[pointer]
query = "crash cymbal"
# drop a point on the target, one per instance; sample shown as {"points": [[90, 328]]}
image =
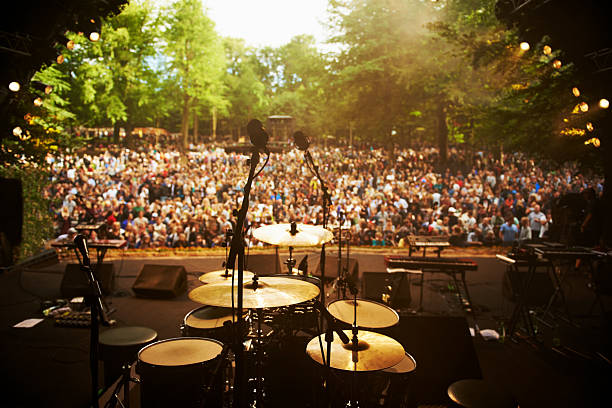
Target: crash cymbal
{"points": [[375, 351], [280, 234], [370, 314], [220, 276], [270, 291]]}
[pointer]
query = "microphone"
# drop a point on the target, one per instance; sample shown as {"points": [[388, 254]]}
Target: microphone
{"points": [[301, 140], [81, 244], [257, 134]]}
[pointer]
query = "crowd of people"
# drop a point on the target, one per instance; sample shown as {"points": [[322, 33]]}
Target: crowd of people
{"points": [[165, 198]]}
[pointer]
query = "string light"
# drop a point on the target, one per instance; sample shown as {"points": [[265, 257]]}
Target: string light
{"points": [[60, 59], [17, 131], [525, 46], [604, 103], [547, 50], [70, 45], [38, 101], [557, 64], [589, 126], [584, 107], [14, 86], [594, 141], [576, 92], [48, 89]]}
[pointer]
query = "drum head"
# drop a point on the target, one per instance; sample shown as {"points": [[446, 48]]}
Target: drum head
{"points": [[180, 351], [208, 317], [370, 314], [407, 365]]}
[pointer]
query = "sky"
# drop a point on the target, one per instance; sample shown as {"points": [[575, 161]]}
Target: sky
{"points": [[268, 22]]}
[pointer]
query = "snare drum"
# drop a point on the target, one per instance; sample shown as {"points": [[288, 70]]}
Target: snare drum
{"points": [[206, 321], [370, 314], [176, 372]]}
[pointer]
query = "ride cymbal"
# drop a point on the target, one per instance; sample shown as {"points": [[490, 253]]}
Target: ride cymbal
{"points": [[270, 291]]}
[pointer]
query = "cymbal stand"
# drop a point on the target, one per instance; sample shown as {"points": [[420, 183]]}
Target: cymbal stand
{"points": [[237, 250], [228, 238], [355, 354], [291, 261]]}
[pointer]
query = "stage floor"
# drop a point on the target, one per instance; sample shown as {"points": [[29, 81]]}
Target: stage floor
{"points": [[48, 365]]}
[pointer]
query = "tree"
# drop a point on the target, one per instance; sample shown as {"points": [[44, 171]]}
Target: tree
{"points": [[114, 80], [195, 60], [246, 91]]}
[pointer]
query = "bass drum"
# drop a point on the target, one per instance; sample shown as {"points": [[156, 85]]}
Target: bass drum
{"points": [[180, 372], [207, 321]]}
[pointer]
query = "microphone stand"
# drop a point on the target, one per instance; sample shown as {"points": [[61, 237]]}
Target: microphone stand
{"points": [[237, 250], [329, 335], [96, 312]]}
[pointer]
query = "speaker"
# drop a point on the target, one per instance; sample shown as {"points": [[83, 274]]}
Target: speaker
{"points": [[540, 290], [264, 264], [331, 267], [380, 286], [76, 282], [160, 281]]}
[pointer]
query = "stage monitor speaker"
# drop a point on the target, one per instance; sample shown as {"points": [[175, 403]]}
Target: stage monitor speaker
{"points": [[331, 267], [383, 287], [264, 264], [76, 282], [160, 281]]}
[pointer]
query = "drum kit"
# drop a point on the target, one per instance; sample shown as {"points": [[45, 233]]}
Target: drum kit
{"points": [[203, 353]]}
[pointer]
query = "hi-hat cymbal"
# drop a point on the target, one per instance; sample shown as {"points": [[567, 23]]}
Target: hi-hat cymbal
{"points": [[375, 351], [370, 314], [280, 234], [220, 276], [270, 291]]}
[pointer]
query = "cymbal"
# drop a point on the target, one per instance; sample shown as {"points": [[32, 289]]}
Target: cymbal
{"points": [[370, 314], [280, 234], [375, 351], [219, 276], [271, 291]]}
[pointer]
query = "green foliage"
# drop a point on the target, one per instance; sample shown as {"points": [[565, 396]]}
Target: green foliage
{"points": [[37, 222], [195, 60]]}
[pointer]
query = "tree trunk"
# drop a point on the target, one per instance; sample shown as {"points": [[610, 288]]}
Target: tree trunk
{"points": [[116, 130], [442, 136], [196, 127], [185, 123], [129, 138], [214, 123]]}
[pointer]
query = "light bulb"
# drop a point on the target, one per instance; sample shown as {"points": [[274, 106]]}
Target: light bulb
{"points": [[14, 86], [525, 46]]}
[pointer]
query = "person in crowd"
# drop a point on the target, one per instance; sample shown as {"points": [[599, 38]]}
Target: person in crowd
{"points": [[508, 232], [157, 194]]}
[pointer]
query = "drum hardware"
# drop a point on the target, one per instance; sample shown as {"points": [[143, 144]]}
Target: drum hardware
{"points": [[125, 384]]}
